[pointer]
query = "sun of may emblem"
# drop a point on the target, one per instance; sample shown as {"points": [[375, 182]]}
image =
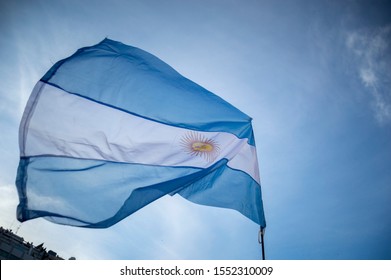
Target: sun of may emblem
{"points": [[196, 144]]}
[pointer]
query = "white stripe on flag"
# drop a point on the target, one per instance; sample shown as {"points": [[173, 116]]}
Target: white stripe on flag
{"points": [[64, 124]]}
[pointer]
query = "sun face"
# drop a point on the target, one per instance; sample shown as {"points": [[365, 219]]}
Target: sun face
{"points": [[196, 144]]}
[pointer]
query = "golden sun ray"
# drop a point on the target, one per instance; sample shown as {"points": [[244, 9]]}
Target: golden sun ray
{"points": [[196, 144]]}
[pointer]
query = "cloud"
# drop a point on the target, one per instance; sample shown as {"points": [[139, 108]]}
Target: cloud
{"points": [[371, 49], [8, 203], [368, 77]]}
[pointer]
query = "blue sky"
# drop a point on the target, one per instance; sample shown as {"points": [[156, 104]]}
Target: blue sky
{"points": [[315, 76]]}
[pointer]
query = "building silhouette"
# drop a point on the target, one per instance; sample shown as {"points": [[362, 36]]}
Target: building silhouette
{"points": [[14, 247]]}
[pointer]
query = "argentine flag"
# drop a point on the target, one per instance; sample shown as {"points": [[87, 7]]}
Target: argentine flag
{"points": [[112, 128]]}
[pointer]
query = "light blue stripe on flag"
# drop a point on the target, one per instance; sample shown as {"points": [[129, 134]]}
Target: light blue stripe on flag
{"points": [[133, 80], [113, 128]]}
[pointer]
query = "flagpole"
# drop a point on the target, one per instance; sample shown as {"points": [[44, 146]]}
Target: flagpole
{"points": [[261, 241]]}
